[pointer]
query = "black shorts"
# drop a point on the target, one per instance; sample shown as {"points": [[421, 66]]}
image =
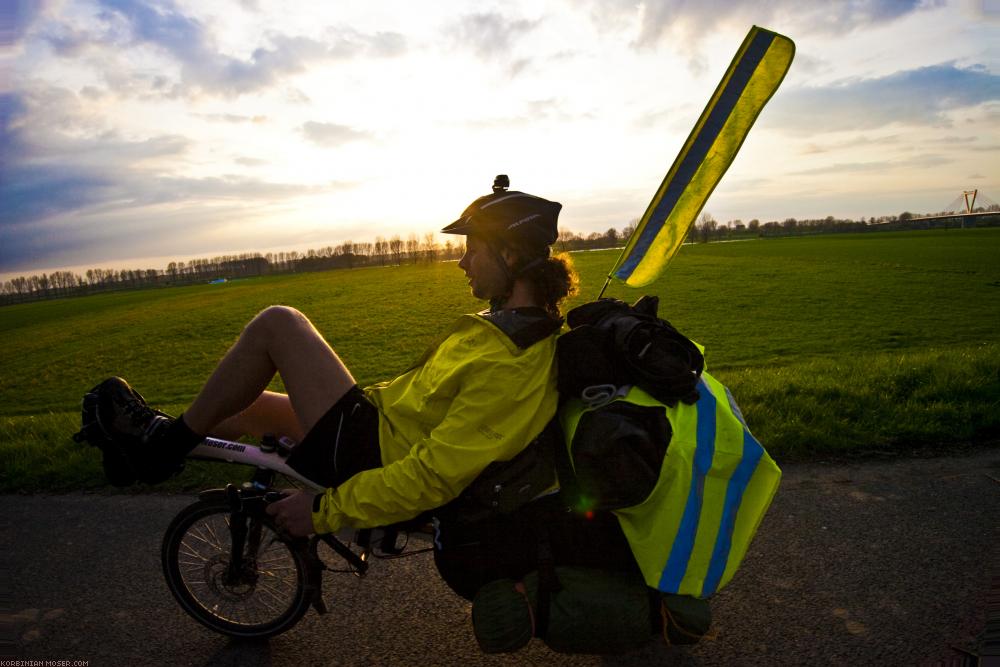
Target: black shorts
{"points": [[342, 443]]}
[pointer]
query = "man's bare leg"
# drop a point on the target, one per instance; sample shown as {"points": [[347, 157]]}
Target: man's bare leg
{"points": [[282, 340], [270, 414]]}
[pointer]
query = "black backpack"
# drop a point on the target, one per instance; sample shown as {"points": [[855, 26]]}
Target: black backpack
{"points": [[611, 343]]}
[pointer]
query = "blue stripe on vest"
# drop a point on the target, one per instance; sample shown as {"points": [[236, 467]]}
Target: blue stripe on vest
{"points": [[699, 149], [680, 553], [752, 453]]}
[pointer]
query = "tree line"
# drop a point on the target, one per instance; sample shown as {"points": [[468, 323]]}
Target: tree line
{"points": [[707, 228], [412, 250], [350, 254]]}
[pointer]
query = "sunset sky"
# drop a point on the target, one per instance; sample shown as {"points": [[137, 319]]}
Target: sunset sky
{"points": [[133, 133]]}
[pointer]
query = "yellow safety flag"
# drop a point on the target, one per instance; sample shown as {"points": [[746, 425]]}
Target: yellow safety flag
{"points": [[751, 80]]}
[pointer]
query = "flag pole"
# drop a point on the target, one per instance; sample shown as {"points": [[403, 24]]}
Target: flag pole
{"points": [[620, 255], [606, 283]]}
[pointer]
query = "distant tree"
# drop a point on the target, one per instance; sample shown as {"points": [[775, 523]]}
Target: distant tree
{"points": [[430, 247], [396, 249], [629, 229], [381, 249], [347, 252], [707, 227], [567, 237], [412, 248]]}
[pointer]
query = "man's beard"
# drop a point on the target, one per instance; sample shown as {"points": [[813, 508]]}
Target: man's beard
{"points": [[489, 288]]}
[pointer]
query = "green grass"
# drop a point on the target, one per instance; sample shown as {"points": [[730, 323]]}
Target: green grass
{"points": [[838, 345]]}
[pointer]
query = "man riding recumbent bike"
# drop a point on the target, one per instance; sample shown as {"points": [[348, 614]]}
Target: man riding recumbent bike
{"points": [[614, 525], [592, 508]]}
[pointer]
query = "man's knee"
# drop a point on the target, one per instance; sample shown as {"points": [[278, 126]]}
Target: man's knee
{"points": [[279, 320]]}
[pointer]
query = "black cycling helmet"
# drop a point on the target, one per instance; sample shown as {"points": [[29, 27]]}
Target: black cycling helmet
{"points": [[510, 217]]}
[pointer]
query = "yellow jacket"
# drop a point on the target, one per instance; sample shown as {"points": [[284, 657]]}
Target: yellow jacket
{"points": [[473, 398]]}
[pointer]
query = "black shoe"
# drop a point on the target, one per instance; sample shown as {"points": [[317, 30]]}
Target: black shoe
{"points": [[134, 442], [125, 417], [117, 469]]}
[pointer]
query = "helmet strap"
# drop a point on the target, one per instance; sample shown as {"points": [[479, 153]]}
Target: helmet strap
{"points": [[496, 303]]}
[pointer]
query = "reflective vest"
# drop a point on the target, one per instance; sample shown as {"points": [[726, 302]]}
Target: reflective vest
{"points": [[715, 484]]}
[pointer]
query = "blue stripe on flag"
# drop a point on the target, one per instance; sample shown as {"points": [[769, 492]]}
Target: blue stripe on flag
{"points": [[683, 545], [752, 452], [699, 149]]}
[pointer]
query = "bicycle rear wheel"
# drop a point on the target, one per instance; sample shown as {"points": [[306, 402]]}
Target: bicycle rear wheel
{"points": [[266, 597]]}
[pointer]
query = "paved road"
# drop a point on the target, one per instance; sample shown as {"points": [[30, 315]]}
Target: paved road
{"points": [[867, 564]]}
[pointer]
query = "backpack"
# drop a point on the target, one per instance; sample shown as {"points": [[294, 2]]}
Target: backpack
{"points": [[655, 439]]}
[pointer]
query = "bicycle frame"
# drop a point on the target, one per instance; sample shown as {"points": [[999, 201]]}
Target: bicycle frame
{"points": [[229, 451]]}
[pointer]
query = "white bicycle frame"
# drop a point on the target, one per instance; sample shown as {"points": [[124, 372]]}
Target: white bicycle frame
{"points": [[217, 449]]}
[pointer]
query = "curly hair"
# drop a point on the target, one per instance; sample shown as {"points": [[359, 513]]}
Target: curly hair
{"points": [[553, 279]]}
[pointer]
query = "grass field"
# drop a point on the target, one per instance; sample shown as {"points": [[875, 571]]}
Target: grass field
{"points": [[838, 345]]}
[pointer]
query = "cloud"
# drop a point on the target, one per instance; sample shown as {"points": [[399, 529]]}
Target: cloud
{"points": [[100, 210], [232, 118], [203, 70], [16, 17], [11, 108], [926, 160], [331, 134], [35, 192], [683, 23], [490, 35], [855, 142], [69, 187], [914, 97]]}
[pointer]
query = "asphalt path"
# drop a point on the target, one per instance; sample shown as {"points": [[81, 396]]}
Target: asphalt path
{"points": [[876, 563]]}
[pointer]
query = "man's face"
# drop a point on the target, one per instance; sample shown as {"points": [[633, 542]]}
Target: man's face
{"points": [[486, 278]]}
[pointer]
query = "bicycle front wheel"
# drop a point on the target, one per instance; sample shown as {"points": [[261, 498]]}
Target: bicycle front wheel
{"points": [[264, 597]]}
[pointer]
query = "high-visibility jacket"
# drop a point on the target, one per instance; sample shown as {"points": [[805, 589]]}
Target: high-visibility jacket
{"points": [[473, 398], [716, 482]]}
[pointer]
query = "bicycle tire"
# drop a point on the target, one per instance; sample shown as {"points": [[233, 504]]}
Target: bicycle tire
{"points": [[196, 554]]}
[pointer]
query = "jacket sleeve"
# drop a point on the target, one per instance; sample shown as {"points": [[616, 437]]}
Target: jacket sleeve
{"points": [[500, 407]]}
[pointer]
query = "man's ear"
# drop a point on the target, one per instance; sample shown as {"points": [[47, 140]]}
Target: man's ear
{"points": [[509, 256]]}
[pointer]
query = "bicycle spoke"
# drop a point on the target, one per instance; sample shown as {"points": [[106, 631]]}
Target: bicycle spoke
{"points": [[187, 550], [211, 530], [213, 544], [264, 603]]}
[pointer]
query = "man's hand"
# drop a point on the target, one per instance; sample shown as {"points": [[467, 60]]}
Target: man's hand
{"points": [[294, 514]]}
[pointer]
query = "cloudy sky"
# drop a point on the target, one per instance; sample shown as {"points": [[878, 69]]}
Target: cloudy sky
{"points": [[135, 132]]}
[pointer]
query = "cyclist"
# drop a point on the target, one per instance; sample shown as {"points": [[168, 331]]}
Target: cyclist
{"points": [[393, 450]]}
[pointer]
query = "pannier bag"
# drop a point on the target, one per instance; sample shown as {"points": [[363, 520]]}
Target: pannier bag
{"points": [[691, 530], [592, 612], [686, 479]]}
